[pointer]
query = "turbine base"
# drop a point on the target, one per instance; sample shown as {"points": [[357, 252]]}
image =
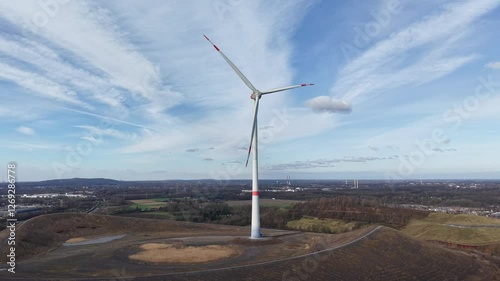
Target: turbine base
{"points": [[256, 234]]}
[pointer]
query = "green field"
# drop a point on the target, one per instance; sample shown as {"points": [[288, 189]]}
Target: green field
{"points": [[148, 204], [437, 227], [159, 215], [322, 225], [460, 219]]}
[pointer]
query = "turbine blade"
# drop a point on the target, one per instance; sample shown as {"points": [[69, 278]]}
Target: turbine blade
{"points": [[245, 80], [254, 127], [285, 88]]}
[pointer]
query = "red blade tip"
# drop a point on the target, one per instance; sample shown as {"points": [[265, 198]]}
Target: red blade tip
{"points": [[211, 42]]}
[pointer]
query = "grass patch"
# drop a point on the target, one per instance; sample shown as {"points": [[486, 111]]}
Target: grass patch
{"points": [[322, 225], [460, 219], [436, 227], [161, 199], [140, 207], [148, 204]]}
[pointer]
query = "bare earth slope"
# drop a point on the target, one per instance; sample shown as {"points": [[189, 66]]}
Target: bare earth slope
{"points": [[384, 255], [377, 253]]}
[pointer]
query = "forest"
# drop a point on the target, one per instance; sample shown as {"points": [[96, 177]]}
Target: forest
{"points": [[344, 208]]}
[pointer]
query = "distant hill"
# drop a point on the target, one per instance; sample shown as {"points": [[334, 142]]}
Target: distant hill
{"points": [[74, 182], [106, 182]]}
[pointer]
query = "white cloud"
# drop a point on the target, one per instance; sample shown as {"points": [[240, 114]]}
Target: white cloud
{"points": [[103, 46], [103, 64], [101, 132], [50, 64], [39, 85], [493, 65], [210, 88], [34, 146], [325, 163], [383, 66], [153, 62], [328, 104], [26, 131]]}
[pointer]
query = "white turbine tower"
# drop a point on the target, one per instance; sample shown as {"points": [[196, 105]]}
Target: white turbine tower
{"points": [[256, 95]]}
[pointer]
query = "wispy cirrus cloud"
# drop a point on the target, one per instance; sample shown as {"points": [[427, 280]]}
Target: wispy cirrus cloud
{"points": [[103, 117], [108, 58], [105, 47], [49, 64], [82, 47], [40, 85], [325, 163], [111, 132], [384, 66], [165, 96]]}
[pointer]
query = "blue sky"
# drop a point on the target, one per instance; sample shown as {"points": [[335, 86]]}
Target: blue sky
{"points": [[131, 90]]}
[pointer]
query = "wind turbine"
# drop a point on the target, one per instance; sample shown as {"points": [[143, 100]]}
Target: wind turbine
{"points": [[256, 95]]}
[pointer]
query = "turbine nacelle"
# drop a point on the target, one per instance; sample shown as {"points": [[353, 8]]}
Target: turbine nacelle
{"points": [[255, 94]]}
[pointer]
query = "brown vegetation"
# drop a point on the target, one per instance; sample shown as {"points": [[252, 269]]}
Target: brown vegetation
{"points": [[349, 208], [278, 216]]}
